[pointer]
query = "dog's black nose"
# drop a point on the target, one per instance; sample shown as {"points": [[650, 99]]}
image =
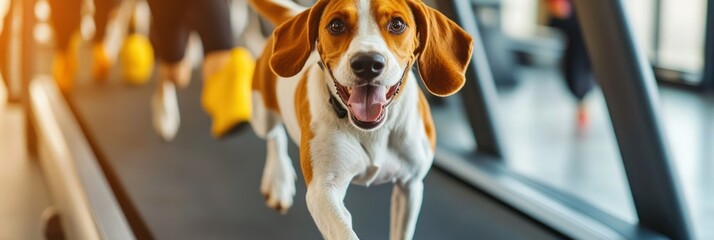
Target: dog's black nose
{"points": [[367, 65]]}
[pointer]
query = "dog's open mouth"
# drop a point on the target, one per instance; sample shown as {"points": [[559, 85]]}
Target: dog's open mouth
{"points": [[367, 104]]}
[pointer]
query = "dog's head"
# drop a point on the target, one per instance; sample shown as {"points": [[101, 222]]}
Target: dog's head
{"points": [[368, 47]]}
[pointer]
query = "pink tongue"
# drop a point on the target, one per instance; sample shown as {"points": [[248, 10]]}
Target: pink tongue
{"points": [[366, 102]]}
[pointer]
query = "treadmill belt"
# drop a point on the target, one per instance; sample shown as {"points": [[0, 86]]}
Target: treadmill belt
{"points": [[197, 187]]}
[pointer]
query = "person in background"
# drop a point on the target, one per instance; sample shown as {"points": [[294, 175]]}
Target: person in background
{"points": [[5, 8], [575, 63], [101, 63], [227, 71], [66, 17]]}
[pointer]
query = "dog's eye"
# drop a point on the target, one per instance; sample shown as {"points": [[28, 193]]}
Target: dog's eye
{"points": [[397, 26], [336, 27]]}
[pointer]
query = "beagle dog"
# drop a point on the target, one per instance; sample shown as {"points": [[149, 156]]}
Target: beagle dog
{"points": [[338, 76]]}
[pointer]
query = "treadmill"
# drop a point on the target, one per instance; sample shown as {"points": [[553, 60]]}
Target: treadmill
{"points": [[197, 187], [112, 177]]}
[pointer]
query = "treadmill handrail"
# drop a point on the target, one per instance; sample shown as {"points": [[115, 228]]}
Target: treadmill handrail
{"points": [[78, 186], [627, 82]]}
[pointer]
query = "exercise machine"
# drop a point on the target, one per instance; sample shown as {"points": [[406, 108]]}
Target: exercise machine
{"points": [[112, 177]]}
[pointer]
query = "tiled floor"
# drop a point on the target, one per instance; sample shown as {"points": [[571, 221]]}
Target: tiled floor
{"points": [[542, 141], [23, 195]]}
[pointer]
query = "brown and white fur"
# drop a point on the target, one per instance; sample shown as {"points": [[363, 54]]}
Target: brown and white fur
{"points": [[291, 91]]}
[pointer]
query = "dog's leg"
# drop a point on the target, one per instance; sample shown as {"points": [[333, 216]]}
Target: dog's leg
{"points": [[325, 202], [406, 204], [278, 183]]}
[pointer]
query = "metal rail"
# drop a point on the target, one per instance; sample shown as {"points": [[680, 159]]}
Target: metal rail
{"points": [[479, 90], [708, 78], [628, 84], [79, 188]]}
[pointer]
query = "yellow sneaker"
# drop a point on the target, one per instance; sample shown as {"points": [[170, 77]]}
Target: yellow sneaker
{"points": [[226, 95], [101, 64], [63, 70], [64, 67], [137, 59]]}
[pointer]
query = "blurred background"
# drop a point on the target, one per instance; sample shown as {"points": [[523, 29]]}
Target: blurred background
{"points": [[82, 154]]}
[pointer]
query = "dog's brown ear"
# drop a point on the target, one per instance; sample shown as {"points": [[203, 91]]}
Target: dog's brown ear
{"points": [[294, 40], [444, 50]]}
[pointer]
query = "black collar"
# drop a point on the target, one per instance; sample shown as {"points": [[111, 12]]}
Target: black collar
{"points": [[340, 111], [337, 107]]}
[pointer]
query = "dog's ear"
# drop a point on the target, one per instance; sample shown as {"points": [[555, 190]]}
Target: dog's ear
{"points": [[294, 40], [444, 50]]}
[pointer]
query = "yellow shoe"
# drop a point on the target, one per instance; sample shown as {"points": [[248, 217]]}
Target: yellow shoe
{"points": [[101, 64], [137, 59], [63, 70], [226, 95], [64, 67]]}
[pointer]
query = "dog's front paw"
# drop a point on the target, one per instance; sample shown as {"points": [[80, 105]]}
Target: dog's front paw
{"points": [[278, 184]]}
